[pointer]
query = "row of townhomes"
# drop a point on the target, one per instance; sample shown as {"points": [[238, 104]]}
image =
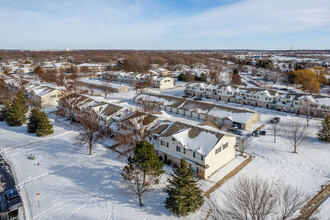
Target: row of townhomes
{"points": [[73, 104], [271, 99], [42, 94], [162, 82], [204, 146], [217, 114]]}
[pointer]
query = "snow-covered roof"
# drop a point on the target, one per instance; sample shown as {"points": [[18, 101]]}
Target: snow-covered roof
{"points": [[203, 143]]}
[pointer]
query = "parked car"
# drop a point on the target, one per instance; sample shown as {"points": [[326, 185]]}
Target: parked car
{"points": [[14, 204], [237, 132], [262, 132], [275, 120], [278, 119], [11, 194], [14, 201], [198, 98]]}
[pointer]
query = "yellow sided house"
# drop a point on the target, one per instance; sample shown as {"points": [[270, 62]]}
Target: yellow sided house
{"points": [[206, 149]]}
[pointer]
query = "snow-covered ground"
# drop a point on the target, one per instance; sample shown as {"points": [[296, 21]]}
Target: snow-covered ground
{"points": [[72, 184], [275, 162]]}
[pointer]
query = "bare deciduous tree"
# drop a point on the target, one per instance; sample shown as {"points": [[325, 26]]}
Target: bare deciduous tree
{"points": [[243, 144], [249, 199], [274, 127], [6, 70], [131, 132], [290, 199], [309, 110], [105, 89], [89, 130], [137, 181], [295, 132], [147, 105], [85, 70], [142, 86], [214, 77], [67, 105]]}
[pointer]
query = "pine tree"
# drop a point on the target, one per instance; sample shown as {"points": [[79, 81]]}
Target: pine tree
{"points": [[184, 196], [34, 120], [324, 129], [44, 126], [146, 159], [22, 101], [16, 113], [4, 110]]}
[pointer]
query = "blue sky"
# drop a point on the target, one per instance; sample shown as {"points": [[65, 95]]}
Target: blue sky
{"points": [[165, 24]]}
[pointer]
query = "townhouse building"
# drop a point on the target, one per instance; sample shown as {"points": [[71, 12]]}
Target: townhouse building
{"points": [[217, 114], [271, 99], [206, 150], [161, 82]]}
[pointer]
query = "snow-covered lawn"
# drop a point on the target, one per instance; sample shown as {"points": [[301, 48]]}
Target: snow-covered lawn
{"points": [[72, 184], [307, 170]]}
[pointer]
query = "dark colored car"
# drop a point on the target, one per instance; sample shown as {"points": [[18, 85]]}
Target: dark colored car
{"points": [[198, 98], [11, 194], [14, 201], [278, 119], [237, 132], [14, 204]]}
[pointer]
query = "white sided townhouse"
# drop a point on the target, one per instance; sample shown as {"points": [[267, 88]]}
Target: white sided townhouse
{"points": [[271, 99], [206, 150], [217, 114], [74, 104], [161, 82]]}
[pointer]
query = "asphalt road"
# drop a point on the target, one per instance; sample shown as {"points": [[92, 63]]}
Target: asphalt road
{"points": [[6, 182]]}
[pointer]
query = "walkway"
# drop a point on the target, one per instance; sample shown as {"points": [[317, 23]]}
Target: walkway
{"points": [[224, 179], [312, 204], [229, 175]]}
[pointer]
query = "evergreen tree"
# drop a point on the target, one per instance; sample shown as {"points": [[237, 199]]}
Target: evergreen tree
{"points": [[182, 77], [4, 110], [16, 113], [34, 120], [203, 77], [146, 159], [324, 129], [184, 196], [44, 126], [22, 101]]}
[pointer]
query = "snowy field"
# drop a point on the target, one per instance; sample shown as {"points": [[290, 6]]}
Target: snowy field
{"points": [[275, 162], [72, 184]]}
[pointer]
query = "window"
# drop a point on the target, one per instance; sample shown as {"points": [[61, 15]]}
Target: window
{"points": [[202, 157], [167, 144], [161, 143], [184, 150], [173, 139], [225, 145], [218, 150], [194, 154], [178, 148]]}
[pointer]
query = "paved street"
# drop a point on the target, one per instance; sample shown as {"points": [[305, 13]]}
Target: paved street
{"points": [[6, 182]]}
